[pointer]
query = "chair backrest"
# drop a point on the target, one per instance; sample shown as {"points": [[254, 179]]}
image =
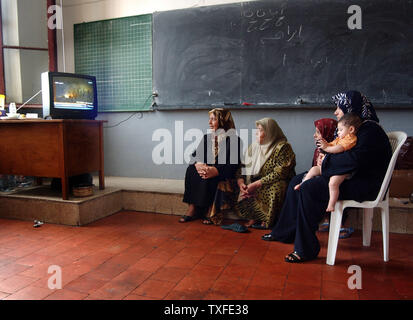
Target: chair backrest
{"points": [[396, 138]]}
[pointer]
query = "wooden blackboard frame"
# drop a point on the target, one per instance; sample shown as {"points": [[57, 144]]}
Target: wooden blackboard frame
{"points": [[311, 106]]}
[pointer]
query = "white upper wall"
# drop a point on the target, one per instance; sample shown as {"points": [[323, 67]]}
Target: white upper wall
{"points": [[10, 23], [32, 23], [78, 11]]}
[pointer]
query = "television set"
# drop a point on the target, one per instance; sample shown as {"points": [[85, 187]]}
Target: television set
{"points": [[69, 96]]}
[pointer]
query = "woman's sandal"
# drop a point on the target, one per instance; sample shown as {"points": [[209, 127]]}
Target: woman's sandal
{"points": [[259, 226], [346, 233], [293, 257], [207, 221], [324, 227], [184, 219]]}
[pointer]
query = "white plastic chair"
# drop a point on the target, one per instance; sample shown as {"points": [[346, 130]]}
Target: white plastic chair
{"points": [[397, 138]]}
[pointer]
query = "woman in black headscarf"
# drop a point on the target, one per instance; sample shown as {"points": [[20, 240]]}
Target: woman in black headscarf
{"points": [[354, 102], [304, 208], [351, 102]]}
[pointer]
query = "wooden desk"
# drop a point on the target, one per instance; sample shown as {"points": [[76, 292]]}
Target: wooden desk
{"points": [[52, 148]]}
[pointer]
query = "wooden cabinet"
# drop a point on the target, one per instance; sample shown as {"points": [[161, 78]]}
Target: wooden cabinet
{"points": [[52, 148]]}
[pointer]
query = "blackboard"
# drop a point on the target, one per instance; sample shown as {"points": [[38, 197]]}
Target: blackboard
{"points": [[283, 53], [119, 53]]}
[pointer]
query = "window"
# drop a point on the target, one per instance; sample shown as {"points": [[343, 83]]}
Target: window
{"points": [[27, 48]]}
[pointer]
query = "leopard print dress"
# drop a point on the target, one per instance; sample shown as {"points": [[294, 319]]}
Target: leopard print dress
{"points": [[275, 175]]}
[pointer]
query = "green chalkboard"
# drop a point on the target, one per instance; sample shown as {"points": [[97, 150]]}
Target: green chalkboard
{"points": [[118, 52]]}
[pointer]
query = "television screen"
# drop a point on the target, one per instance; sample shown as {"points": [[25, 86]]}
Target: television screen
{"points": [[73, 93], [69, 96]]}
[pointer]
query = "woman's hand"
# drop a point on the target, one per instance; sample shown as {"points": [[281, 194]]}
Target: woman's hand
{"points": [[199, 166], [241, 184], [242, 188], [207, 172], [252, 187], [249, 191]]}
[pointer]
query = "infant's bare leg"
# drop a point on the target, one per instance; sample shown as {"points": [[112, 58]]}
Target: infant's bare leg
{"points": [[313, 172], [334, 189]]}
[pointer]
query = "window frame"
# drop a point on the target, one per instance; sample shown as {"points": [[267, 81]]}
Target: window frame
{"points": [[52, 52]]}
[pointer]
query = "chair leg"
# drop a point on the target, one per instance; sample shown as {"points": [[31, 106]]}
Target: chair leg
{"points": [[335, 224], [385, 229], [367, 226]]}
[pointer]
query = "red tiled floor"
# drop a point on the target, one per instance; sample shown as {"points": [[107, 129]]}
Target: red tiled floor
{"points": [[206, 272], [138, 256], [239, 271], [227, 289], [306, 274], [32, 259], [107, 271], [85, 284], [155, 289], [112, 290], [215, 259], [149, 264], [331, 290], [172, 274], [262, 293], [66, 294], [185, 295], [136, 297], [296, 291], [30, 293], [5, 259], [191, 287], [180, 261], [11, 269], [15, 283], [269, 280]]}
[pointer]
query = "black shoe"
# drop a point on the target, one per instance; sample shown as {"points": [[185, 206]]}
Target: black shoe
{"points": [[268, 237]]}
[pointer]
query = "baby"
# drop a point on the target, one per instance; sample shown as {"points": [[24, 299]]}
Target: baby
{"points": [[347, 128]]}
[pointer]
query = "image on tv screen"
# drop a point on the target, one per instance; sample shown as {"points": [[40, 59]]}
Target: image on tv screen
{"points": [[73, 93]]}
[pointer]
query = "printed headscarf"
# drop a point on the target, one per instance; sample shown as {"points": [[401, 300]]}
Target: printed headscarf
{"points": [[326, 126], [224, 118], [355, 102], [225, 124], [258, 154]]}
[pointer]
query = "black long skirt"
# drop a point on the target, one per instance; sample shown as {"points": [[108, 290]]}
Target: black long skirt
{"points": [[198, 191], [301, 213]]}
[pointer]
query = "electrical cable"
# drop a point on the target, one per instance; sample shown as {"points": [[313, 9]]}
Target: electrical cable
{"points": [[28, 101], [133, 114]]}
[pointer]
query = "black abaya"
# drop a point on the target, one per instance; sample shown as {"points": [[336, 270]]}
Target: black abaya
{"points": [[304, 209], [201, 192]]}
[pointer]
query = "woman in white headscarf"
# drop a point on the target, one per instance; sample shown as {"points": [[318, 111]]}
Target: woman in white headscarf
{"points": [[269, 166]]}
